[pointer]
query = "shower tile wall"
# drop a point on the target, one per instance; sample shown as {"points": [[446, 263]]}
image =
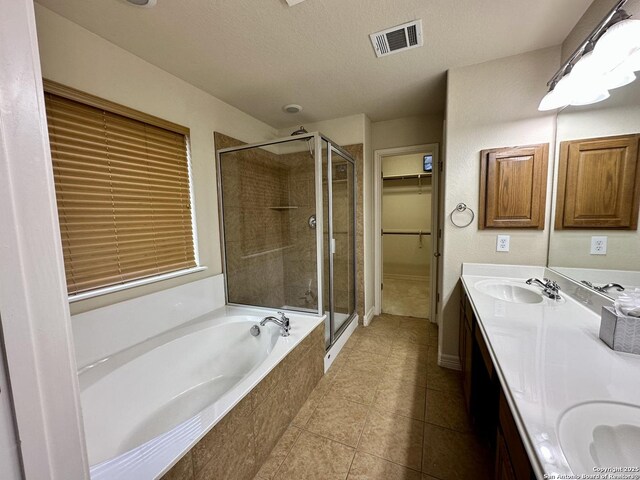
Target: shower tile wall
{"points": [[300, 273]]}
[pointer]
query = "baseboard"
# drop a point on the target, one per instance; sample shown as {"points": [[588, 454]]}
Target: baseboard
{"points": [[369, 316], [449, 361], [398, 276], [333, 352]]}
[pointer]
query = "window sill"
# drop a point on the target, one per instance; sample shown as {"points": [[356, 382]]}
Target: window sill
{"points": [[136, 283]]}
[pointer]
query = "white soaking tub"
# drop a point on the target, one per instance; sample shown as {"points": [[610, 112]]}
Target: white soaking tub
{"points": [[147, 405]]}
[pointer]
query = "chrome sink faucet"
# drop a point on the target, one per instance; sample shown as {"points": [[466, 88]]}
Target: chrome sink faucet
{"points": [[604, 288], [282, 322], [550, 288]]}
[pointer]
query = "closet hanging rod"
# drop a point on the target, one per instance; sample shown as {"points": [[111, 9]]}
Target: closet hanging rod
{"points": [[406, 177], [405, 232]]}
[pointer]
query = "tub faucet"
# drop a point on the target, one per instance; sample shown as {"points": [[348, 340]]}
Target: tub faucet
{"points": [[282, 322], [550, 288]]}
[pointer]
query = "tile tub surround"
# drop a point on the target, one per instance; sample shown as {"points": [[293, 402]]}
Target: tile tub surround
{"points": [[385, 410], [240, 443], [548, 358]]}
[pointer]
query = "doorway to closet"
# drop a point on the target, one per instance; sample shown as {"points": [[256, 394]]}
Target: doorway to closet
{"points": [[407, 257]]}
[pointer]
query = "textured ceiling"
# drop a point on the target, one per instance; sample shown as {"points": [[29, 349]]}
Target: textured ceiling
{"points": [[259, 55]]}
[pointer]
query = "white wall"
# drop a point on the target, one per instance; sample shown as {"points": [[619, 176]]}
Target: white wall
{"points": [[490, 105], [78, 58]]}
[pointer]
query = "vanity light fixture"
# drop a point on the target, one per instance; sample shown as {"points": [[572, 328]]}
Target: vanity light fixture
{"points": [[607, 59]]}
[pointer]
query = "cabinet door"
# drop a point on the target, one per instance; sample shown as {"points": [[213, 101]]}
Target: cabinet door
{"points": [[468, 355], [513, 187], [504, 469], [598, 183]]}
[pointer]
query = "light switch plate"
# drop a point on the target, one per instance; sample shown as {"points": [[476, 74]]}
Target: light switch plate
{"points": [[598, 245], [502, 244]]}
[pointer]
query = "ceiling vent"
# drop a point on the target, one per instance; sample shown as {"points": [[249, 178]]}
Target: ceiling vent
{"points": [[396, 39]]}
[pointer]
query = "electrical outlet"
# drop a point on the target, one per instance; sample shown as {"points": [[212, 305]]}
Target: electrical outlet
{"points": [[503, 243], [598, 245]]}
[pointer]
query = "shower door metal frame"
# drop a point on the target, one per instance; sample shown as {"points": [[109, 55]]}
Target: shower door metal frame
{"points": [[331, 146], [343, 154]]}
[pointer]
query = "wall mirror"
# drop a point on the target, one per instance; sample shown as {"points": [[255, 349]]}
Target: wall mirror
{"points": [[594, 235]]}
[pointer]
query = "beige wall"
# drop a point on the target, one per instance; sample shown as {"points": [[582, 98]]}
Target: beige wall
{"points": [[403, 132], [74, 56], [618, 115], [492, 104]]}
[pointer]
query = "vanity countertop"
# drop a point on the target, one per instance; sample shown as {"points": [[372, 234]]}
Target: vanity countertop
{"points": [[550, 360]]}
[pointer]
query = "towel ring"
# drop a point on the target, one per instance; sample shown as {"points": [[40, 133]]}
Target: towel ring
{"points": [[461, 207]]}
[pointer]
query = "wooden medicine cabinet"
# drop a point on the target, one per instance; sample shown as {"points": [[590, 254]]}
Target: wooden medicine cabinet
{"points": [[598, 183], [513, 187]]}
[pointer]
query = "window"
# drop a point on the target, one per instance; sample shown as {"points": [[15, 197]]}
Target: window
{"points": [[123, 191]]}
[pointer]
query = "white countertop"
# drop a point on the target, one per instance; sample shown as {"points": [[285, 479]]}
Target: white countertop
{"points": [[549, 358]]}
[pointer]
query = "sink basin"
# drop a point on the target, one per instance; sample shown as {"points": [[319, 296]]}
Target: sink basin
{"points": [[508, 291], [600, 434]]}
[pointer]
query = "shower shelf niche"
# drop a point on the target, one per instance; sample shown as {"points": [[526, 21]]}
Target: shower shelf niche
{"points": [[284, 207]]}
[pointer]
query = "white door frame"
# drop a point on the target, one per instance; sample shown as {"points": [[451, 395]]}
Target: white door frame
{"points": [[33, 298], [377, 175]]}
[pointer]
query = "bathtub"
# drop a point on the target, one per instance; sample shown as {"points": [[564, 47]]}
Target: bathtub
{"points": [[147, 405]]}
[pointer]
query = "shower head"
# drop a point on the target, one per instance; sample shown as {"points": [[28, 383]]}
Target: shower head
{"points": [[300, 131]]}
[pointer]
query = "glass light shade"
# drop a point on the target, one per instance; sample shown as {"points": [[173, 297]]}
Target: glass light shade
{"points": [[619, 41], [632, 63], [618, 77], [559, 97], [551, 101], [588, 94], [588, 65]]}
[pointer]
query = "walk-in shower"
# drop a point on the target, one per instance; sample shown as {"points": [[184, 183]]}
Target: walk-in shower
{"points": [[288, 218]]}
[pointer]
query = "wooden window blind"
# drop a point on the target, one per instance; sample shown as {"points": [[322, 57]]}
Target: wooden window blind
{"points": [[122, 187]]}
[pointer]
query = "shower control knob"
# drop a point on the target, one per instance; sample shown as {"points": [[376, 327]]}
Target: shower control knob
{"points": [[312, 222]]}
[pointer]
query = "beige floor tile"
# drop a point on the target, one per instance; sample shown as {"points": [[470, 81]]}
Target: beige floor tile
{"points": [[385, 324], [339, 419], [404, 399], [359, 387], [450, 455], [443, 379], [367, 361], [404, 347], [394, 438], [316, 458], [374, 343], [368, 467], [432, 356], [410, 369], [447, 409], [414, 334], [278, 454]]}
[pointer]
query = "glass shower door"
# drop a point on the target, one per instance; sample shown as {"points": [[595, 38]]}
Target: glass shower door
{"points": [[341, 236]]}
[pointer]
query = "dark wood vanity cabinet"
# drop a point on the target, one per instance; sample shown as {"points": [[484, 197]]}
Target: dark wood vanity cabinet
{"points": [[486, 404]]}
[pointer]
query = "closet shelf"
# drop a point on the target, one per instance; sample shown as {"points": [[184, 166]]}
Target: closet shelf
{"points": [[407, 176]]}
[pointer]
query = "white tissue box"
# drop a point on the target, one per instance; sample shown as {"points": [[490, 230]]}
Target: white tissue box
{"points": [[620, 332]]}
